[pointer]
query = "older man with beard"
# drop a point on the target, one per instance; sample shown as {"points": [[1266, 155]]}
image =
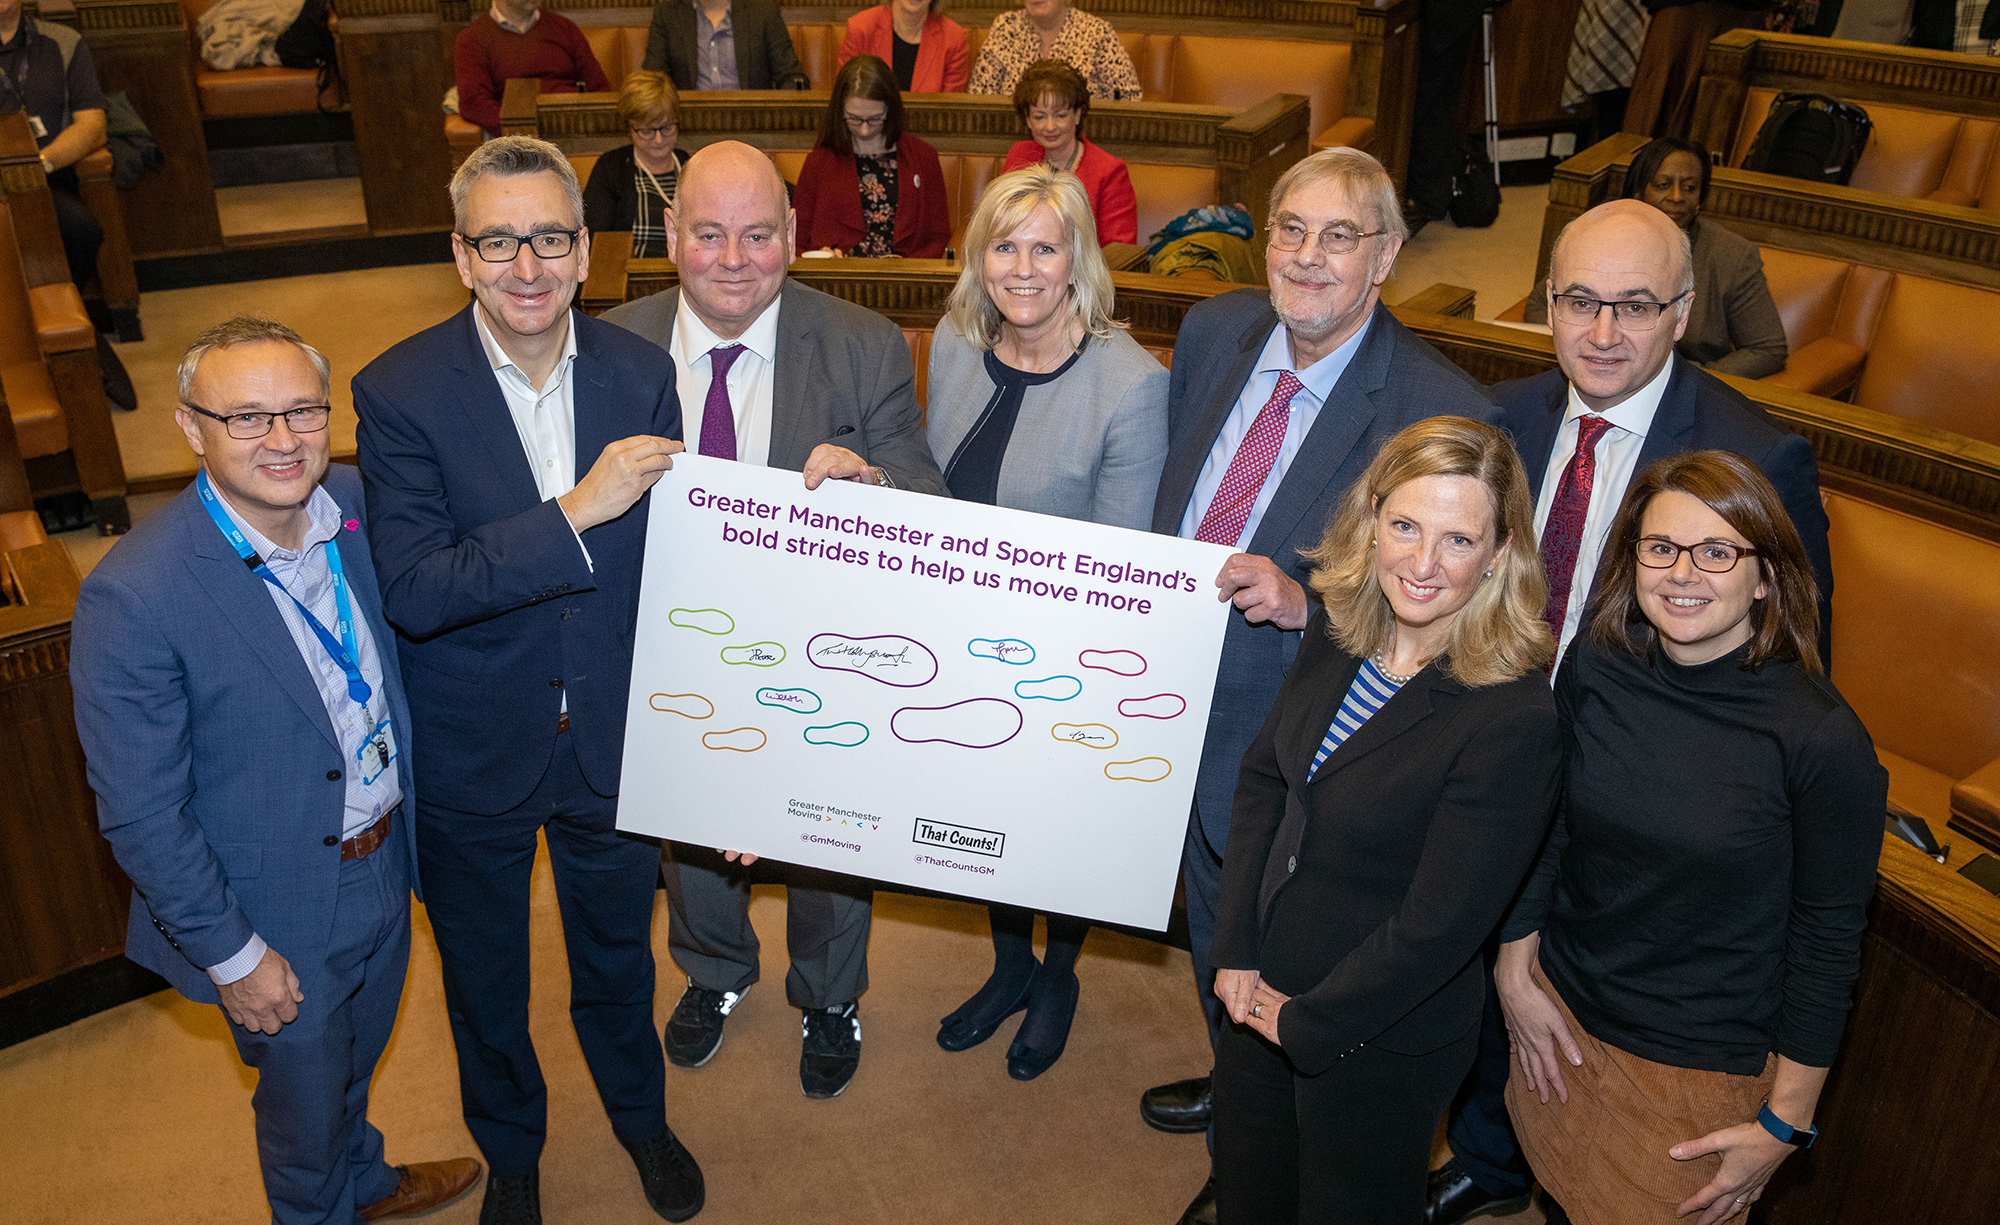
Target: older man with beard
{"points": [[1277, 404]]}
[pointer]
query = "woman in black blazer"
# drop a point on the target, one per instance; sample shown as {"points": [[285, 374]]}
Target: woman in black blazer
{"points": [[1384, 817], [632, 187]]}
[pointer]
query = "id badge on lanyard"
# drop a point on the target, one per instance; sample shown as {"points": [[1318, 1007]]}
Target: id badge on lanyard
{"points": [[378, 752]]}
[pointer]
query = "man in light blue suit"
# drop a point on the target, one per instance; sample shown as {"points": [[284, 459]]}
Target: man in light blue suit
{"points": [[240, 707], [1278, 402]]}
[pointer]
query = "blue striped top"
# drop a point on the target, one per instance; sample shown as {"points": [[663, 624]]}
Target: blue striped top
{"points": [[1371, 688]]}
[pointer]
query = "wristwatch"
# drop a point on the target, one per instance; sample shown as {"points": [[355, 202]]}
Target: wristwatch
{"points": [[882, 478], [1785, 1132], [47, 167]]}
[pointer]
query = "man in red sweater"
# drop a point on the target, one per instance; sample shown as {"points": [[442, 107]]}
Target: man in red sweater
{"points": [[520, 41]]}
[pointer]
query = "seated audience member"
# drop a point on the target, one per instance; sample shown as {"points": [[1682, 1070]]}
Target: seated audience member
{"points": [[520, 41], [723, 44], [1668, 74], [1347, 939], [1733, 325], [914, 37], [215, 704], [1052, 30], [869, 188], [632, 188], [46, 69], [1052, 101], [1671, 1051], [1038, 401]]}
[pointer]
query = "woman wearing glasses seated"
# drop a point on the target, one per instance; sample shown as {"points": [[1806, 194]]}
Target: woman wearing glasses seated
{"points": [[1677, 971], [632, 188], [1052, 100], [870, 189], [1384, 817], [1733, 326]]}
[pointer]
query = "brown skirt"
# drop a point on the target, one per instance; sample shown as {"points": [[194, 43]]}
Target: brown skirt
{"points": [[1669, 72], [1603, 1154]]}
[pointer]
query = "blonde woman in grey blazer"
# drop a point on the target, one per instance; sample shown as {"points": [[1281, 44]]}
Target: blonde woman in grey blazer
{"points": [[1038, 401]]}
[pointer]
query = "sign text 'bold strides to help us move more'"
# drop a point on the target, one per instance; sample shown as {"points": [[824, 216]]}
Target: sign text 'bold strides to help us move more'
{"points": [[926, 692]]}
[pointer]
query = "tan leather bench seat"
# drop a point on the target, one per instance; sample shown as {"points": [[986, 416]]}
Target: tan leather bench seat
{"points": [[39, 422], [251, 91], [1916, 605], [1912, 152]]}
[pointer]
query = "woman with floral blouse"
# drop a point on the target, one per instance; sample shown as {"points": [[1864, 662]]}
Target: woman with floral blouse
{"points": [[1052, 30], [869, 189]]}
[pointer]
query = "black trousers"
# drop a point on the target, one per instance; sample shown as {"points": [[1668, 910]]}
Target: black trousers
{"points": [[1481, 1134], [81, 235], [476, 871], [1349, 1146]]}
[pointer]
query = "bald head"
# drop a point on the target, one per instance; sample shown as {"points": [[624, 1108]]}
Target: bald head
{"points": [[1621, 282], [1637, 233], [731, 236]]}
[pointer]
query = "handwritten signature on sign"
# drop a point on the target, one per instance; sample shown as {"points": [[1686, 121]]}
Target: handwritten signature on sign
{"points": [[891, 659]]}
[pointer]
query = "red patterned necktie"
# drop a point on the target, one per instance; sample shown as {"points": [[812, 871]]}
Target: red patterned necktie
{"points": [[1230, 508], [1562, 535]]}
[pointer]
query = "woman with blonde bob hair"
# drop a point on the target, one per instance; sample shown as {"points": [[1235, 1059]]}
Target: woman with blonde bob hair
{"points": [[1387, 811], [1039, 401], [632, 187], [1677, 972]]}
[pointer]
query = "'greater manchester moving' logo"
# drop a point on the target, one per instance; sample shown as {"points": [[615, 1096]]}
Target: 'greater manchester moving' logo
{"points": [[959, 838]]}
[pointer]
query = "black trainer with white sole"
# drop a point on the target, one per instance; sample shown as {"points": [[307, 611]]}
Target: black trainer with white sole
{"points": [[832, 1049], [694, 1032]]}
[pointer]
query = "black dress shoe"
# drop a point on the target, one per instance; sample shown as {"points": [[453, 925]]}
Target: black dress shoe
{"points": [[1182, 1107], [1454, 1197], [670, 1176], [1202, 1210], [969, 1027], [1049, 1016], [512, 1201]]}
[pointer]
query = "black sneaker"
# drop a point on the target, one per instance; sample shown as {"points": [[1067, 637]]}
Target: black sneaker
{"points": [[671, 1178], [695, 1030], [512, 1201], [832, 1049]]}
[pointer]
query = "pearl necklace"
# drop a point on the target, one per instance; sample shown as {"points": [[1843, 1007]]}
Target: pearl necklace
{"points": [[1391, 677]]}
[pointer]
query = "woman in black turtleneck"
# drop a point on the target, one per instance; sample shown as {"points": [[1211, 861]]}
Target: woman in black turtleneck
{"points": [[1678, 969]]}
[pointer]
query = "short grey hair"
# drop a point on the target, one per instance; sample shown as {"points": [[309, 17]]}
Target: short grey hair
{"points": [[246, 330], [1363, 178], [510, 156], [1685, 244]]}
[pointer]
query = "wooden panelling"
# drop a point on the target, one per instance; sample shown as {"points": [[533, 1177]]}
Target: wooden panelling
{"points": [[141, 47], [62, 898], [397, 57]]}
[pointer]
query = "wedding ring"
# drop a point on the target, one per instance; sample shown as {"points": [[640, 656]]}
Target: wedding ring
{"points": [[1257, 1010]]}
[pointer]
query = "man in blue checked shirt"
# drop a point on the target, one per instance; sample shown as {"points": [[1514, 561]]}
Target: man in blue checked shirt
{"points": [[239, 703]]}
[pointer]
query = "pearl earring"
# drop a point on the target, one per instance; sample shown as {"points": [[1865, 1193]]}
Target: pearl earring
{"points": [[1488, 574]]}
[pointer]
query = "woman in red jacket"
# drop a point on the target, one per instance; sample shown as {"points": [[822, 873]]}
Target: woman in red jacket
{"points": [[925, 48], [1052, 99], [868, 189]]}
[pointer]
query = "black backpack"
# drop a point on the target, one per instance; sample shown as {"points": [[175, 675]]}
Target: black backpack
{"points": [[309, 43], [1475, 197], [1810, 136]]}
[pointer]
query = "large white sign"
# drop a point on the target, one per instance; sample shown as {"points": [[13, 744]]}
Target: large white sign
{"points": [[917, 690]]}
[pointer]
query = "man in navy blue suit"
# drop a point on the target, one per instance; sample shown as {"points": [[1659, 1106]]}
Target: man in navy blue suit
{"points": [[1278, 402], [243, 719], [507, 454], [1621, 285]]}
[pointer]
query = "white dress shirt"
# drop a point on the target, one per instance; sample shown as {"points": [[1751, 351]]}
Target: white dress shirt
{"points": [[1617, 460], [1276, 358], [544, 417], [751, 379], [305, 573]]}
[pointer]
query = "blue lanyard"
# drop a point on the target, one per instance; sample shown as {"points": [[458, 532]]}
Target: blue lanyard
{"points": [[343, 649]]}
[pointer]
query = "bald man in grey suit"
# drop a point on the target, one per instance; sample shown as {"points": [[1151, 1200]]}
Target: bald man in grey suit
{"points": [[773, 373]]}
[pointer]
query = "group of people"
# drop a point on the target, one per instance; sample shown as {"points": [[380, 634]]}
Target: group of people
{"points": [[305, 693], [743, 44]]}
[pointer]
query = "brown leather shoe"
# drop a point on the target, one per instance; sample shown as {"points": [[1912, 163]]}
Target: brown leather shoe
{"points": [[424, 1186]]}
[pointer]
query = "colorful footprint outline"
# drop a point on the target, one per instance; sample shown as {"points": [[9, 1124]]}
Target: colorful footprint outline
{"points": [[675, 618]]}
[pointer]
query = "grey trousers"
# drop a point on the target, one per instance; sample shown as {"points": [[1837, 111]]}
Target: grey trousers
{"points": [[710, 938]]}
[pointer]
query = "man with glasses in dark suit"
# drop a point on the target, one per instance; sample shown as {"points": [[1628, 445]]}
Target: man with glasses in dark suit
{"points": [[508, 453]]}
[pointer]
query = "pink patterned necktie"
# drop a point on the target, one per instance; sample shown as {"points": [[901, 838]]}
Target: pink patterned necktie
{"points": [[1562, 535], [718, 423], [1230, 508]]}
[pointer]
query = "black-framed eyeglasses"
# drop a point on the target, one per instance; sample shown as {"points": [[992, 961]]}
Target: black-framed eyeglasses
{"points": [[1710, 556], [667, 130], [306, 419], [501, 248], [1632, 314], [1334, 240]]}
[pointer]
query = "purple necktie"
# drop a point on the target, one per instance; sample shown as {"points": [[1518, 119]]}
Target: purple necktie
{"points": [[718, 423]]}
